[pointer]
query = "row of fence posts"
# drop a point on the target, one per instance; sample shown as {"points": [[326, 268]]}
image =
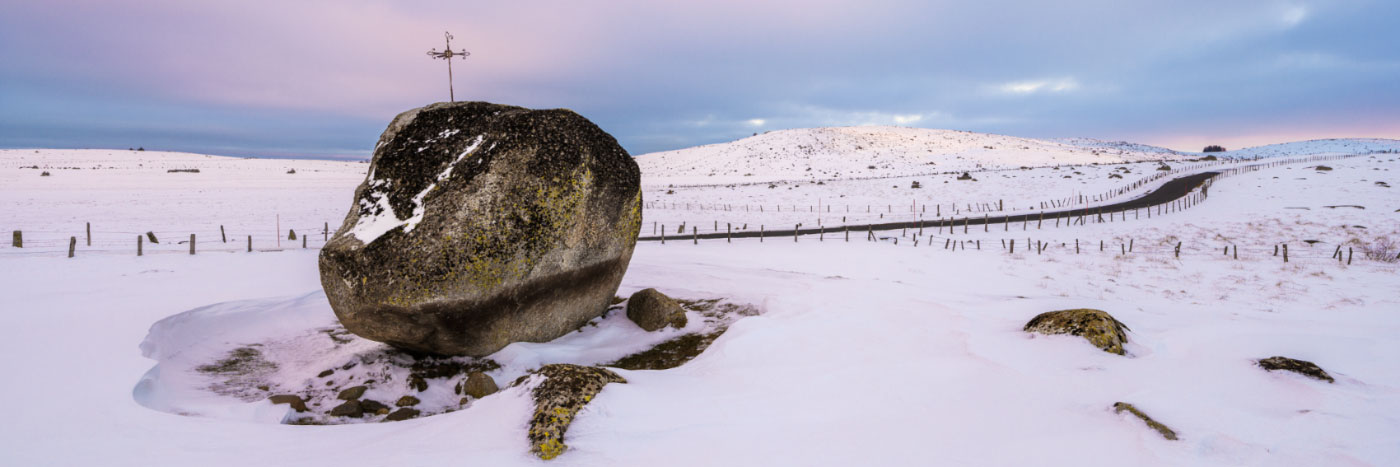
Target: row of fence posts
{"points": [[1185, 202], [17, 239]]}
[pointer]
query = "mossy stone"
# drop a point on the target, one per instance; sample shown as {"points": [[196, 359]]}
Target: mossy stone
{"points": [[653, 310], [562, 391], [1167, 433], [479, 385], [1301, 367], [1098, 327]]}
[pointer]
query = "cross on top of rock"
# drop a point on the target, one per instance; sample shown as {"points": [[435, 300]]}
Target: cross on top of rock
{"points": [[448, 54]]}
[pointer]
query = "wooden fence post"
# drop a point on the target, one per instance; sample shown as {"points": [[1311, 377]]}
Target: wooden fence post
{"points": [[663, 235], [18, 241], [250, 243], [1013, 246], [139, 239], [1076, 246], [1285, 252], [223, 238], [1348, 256], [694, 235], [326, 231], [303, 241], [89, 234], [1178, 250], [72, 245], [848, 233], [729, 233], [191, 243]]}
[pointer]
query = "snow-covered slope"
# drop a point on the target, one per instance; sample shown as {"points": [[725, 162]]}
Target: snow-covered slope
{"points": [[876, 151], [1319, 146]]}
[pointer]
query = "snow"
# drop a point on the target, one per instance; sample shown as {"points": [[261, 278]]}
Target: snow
{"points": [[812, 154], [381, 217], [867, 353]]}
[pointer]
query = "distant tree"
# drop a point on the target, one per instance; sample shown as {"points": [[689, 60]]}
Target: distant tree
{"points": [[1214, 148], [141, 149]]}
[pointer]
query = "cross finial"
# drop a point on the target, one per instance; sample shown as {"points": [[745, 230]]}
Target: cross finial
{"points": [[448, 54]]}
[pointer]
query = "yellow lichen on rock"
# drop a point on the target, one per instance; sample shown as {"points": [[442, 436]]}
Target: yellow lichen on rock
{"points": [[1099, 328]]}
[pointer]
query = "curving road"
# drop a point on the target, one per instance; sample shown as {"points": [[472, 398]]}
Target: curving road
{"points": [[1170, 191]]}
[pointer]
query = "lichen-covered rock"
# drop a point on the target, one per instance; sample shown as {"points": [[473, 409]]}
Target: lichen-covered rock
{"points": [[1120, 407], [653, 310], [295, 401], [401, 415], [479, 385], [407, 401], [371, 406], [351, 393], [1098, 327], [482, 224], [350, 408], [1301, 367], [561, 391]]}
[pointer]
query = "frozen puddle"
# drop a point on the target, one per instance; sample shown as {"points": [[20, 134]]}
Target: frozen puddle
{"points": [[226, 360]]}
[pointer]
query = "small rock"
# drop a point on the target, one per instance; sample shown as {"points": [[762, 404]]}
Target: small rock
{"points": [[1100, 328], [417, 383], [374, 407], [479, 385], [350, 408], [1119, 407], [1301, 367], [326, 373], [295, 401], [407, 401], [351, 393], [564, 391], [401, 415], [653, 310]]}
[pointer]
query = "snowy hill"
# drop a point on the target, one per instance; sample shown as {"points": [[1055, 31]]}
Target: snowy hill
{"points": [[1319, 146], [876, 151]]}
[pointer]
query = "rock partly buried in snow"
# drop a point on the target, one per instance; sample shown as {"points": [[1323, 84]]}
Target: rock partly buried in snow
{"points": [[560, 392], [293, 400], [479, 385], [653, 310], [1301, 367], [1120, 407], [1098, 327], [480, 225]]}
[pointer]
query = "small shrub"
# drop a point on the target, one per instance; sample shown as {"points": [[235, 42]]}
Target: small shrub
{"points": [[1214, 148], [1382, 249]]}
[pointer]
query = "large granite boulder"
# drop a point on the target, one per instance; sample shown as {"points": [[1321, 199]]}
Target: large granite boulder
{"points": [[482, 224]]}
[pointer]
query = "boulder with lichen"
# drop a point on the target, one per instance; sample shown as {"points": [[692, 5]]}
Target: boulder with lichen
{"points": [[559, 392], [1302, 367], [480, 225], [1098, 327]]}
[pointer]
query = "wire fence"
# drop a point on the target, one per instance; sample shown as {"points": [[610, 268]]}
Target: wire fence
{"points": [[920, 233]]}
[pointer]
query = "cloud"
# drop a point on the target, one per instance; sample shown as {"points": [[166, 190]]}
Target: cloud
{"points": [[1293, 15], [755, 122], [1038, 86]]}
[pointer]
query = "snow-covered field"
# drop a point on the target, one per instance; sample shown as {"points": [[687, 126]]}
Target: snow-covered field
{"points": [[862, 353]]}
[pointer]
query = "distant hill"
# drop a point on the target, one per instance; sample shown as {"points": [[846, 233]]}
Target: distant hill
{"points": [[877, 151]]}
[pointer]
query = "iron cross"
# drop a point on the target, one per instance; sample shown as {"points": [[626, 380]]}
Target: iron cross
{"points": [[448, 55]]}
